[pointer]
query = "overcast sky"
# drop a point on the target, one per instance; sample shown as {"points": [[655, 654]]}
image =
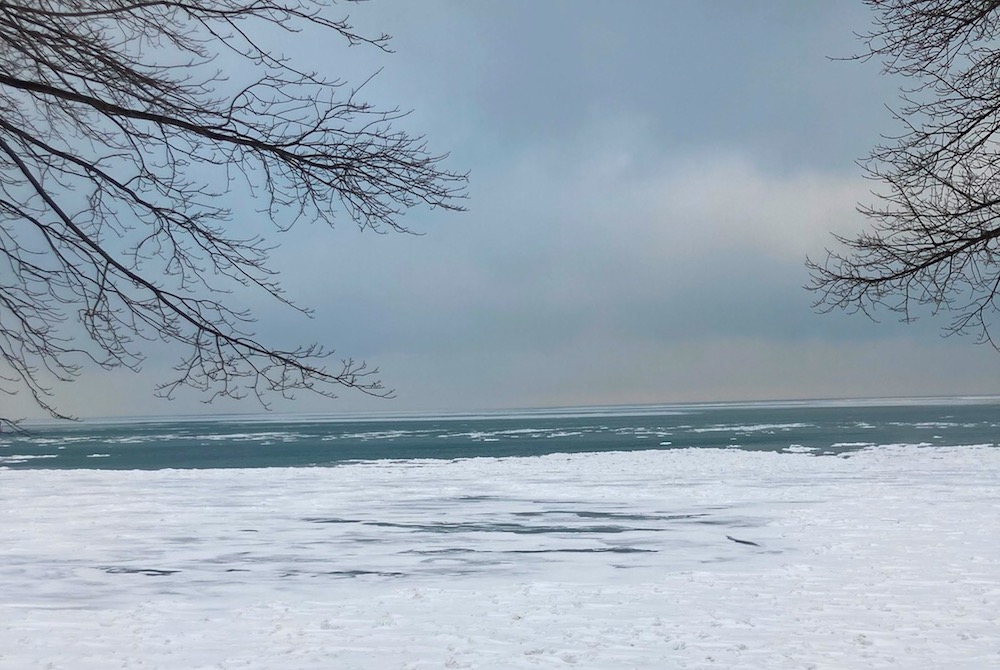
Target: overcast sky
{"points": [[646, 180]]}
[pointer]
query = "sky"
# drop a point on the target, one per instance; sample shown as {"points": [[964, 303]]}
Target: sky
{"points": [[646, 180]]}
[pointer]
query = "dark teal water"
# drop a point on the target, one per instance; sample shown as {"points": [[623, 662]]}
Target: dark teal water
{"points": [[252, 442]]}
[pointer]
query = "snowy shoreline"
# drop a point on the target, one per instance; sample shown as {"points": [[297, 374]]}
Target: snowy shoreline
{"points": [[886, 558]]}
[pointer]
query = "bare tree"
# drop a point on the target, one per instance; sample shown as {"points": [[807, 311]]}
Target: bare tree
{"points": [[119, 132], [934, 240]]}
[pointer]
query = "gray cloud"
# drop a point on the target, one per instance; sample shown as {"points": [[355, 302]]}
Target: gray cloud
{"points": [[647, 179]]}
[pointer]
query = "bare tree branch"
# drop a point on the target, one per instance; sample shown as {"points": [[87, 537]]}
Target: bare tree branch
{"points": [[935, 228], [117, 139]]}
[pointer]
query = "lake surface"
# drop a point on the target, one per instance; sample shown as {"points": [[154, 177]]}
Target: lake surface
{"points": [[298, 441]]}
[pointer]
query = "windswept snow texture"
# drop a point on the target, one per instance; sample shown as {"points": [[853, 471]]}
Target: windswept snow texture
{"points": [[885, 557]]}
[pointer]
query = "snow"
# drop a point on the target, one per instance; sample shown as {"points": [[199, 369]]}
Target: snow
{"points": [[888, 557]]}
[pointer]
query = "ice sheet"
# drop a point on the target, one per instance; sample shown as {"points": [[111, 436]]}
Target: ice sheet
{"points": [[884, 558]]}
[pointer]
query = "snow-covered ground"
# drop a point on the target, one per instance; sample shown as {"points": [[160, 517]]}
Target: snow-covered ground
{"points": [[886, 558]]}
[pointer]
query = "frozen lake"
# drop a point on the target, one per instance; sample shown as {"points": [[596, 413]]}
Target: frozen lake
{"points": [[880, 557]]}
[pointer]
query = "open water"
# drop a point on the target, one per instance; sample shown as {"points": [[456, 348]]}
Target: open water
{"points": [[821, 427]]}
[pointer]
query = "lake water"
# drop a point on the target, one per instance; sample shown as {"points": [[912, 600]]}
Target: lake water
{"points": [[296, 441]]}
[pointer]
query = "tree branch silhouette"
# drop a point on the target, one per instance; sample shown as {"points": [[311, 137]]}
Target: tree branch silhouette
{"points": [[118, 139], [935, 226]]}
